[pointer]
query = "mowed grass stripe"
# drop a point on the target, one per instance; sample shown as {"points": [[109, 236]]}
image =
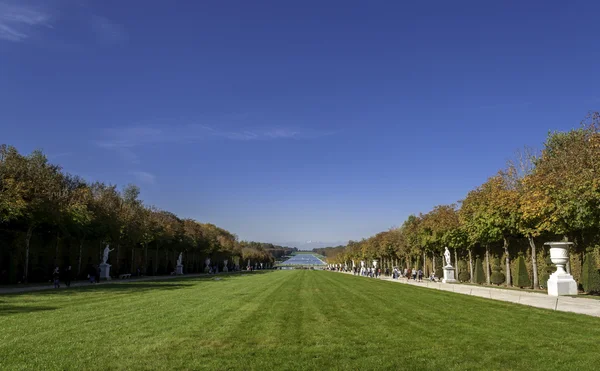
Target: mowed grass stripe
{"points": [[285, 320]]}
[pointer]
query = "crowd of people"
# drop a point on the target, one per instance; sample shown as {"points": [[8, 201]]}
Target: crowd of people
{"points": [[396, 273], [66, 275]]}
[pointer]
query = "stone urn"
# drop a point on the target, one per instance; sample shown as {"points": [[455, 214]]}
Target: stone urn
{"points": [[559, 254], [225, 263], [560, 282]]}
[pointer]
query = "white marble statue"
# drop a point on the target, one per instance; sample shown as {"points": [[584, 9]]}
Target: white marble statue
{"points": [[105, 256], [447, 256], [180, 259], [207, 262]]}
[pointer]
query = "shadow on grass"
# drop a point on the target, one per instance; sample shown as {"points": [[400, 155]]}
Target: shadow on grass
{"points": [[124, 287], [6, 310], [116, 288]]}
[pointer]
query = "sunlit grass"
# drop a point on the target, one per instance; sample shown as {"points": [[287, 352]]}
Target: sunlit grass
{"points": [[285, 320]]}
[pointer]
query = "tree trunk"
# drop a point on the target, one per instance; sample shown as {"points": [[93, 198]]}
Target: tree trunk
{"points": [[433, 261], [424, 260], [156, 262], [146, 258], [508, 276], [117, 265], [132, 265], [56, 249], [487, 264], [536, 284], [568, 265], [471, 265], [79, 260], [27, 240], [456, 261]]}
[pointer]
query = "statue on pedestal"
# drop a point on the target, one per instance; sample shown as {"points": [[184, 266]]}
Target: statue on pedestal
{"points": [[105, 256], [180, 259], [447, 257]]}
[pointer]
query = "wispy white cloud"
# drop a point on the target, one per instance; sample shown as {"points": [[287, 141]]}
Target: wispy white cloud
{"points": [[107, 31], [144, 177], [18, 21], [124, 140], [21, 20]]}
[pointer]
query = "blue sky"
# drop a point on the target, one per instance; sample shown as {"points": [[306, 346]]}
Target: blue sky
{"points": [[291, 121]]}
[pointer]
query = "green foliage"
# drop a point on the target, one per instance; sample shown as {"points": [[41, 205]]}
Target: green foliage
{"points": [[497, 276], [464, 276], [439, 271], [590, 276], [463, 271], [478, 275], [549, 269], [521, 274], [39, 201]]}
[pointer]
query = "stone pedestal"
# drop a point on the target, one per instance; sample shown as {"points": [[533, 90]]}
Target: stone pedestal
{"points": [[104, 271], [179, 269], [561, 284], [449, 275]]}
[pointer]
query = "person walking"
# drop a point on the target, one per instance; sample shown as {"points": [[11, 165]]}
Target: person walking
{"points": [[67, 277], [420, 275], [56, 278], [91, 273]]}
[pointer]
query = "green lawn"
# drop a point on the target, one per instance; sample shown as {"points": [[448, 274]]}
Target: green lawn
{"points": [[286, 320]]}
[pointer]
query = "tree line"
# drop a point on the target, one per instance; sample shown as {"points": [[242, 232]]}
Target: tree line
{"points": [[50, 218], [498, 230]]}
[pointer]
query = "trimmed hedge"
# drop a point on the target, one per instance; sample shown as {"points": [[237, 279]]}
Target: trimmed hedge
{"points": [[497, 276], [546, 273], [521, 274], [463, 271], [478, 276], [590, 277]]}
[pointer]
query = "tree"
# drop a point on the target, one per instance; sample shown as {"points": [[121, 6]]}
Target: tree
{"points": [[34, 186], [12, 202], [77, 213], [561, 196], [521, 274], [438, 229], [489, 214]]}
